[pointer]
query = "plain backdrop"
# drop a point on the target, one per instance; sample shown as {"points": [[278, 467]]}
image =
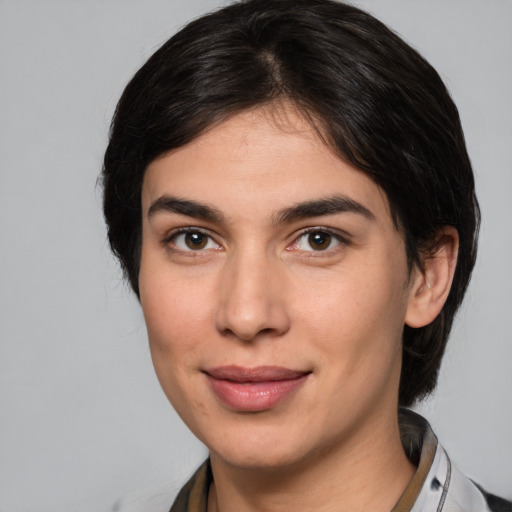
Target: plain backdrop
{"points": [[84, 425]]}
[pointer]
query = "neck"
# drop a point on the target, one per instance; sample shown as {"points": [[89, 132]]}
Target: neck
{"points": [[365, 472]]}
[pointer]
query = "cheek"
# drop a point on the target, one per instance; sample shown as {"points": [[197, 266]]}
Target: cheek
{"points": [[359, 339], [177, 317], [176, 330], [355, 321]]}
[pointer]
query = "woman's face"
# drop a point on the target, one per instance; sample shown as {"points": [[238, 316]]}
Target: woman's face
{"points": [[274, 286]]}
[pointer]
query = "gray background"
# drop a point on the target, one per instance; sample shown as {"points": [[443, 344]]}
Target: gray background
{"points": [[83, 423]]}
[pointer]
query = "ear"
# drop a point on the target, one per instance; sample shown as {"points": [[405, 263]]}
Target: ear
{"points": [[431, 285]]}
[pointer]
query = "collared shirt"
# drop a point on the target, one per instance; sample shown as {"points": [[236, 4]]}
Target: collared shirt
{"points": [[437, 486]]}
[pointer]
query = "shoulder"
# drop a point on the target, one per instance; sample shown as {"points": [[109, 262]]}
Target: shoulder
{"points": [[461, 494], [495, 503], [193, 496], [440, 485], [446, 489]]}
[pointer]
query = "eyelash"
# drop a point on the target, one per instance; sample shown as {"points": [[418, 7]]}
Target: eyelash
{"points": [[169, 241], [342, 241]]}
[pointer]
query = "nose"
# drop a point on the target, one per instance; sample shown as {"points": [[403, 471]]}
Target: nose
{"points": [[252, 298]]}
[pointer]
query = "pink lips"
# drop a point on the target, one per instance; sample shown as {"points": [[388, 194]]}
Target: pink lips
{"points": [[254, 389]]}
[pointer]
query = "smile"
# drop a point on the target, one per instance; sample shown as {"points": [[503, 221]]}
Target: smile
{"points": [[254, 389]]}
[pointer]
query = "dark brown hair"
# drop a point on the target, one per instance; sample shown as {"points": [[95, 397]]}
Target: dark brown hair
{"points": [[376, 101]]}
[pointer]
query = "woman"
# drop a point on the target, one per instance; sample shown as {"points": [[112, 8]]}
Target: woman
{"points": [[288, 190]]}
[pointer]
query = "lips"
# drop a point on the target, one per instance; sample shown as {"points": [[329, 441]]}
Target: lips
{"points": [[254, 389]]}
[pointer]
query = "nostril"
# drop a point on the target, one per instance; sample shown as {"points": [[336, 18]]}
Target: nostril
{"points": [[249, 335], [250, 304]]}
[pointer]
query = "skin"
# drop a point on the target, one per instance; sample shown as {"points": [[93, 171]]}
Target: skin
{"points": [[257, 291]]}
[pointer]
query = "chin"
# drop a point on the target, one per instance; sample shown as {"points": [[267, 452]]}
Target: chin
{"points": [[264, 459], [262, 448]]}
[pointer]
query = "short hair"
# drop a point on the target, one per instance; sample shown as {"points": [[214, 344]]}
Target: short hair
{"points": [[374, 100]]}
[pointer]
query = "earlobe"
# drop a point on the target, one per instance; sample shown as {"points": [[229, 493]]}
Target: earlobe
{"points": [[431, 285]]}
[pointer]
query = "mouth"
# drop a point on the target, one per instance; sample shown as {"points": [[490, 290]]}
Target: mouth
{"points": [[254, 389]]}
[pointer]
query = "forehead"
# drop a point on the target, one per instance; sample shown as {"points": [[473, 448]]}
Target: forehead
{"points": [[260, 160]]}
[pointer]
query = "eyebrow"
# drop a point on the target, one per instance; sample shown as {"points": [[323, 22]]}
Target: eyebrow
{"points": [[314, 208], [186, 207], [319, 207]]}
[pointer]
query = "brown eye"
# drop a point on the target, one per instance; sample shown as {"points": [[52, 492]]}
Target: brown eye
{"points": [[319, 241], [196, 241], [192, 241]]}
